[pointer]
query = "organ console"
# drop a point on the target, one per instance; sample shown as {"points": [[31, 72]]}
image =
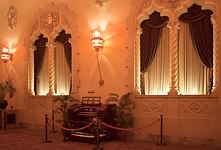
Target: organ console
{"points": [[81, 115]]}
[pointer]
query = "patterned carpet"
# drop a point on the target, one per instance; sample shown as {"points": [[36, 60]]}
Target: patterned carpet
{"points": [[34, 140]]}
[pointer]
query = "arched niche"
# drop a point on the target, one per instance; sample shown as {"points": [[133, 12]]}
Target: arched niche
{"points": [[50, 21], [171, 9]]}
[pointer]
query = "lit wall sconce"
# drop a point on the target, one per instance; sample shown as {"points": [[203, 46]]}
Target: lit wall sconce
{"points": [[6, 54], [97, 40]]}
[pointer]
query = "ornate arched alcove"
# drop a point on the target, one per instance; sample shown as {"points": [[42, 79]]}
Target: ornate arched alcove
{"points": [[51, 21], [171, 9]]}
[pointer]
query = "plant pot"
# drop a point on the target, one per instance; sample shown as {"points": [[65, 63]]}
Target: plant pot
{"points": [[3, 104]]}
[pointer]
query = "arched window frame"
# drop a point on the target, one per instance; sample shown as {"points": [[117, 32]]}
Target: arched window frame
{"points": [[43, 26], [147, 8]]}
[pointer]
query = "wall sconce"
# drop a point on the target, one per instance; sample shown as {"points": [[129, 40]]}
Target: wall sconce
{"points": [[6, 54], [97, 40]]}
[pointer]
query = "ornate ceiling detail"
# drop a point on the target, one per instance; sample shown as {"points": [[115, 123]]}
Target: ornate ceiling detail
{"points": [[101, 3], [12, 17], [172, 4], [49, 21]]}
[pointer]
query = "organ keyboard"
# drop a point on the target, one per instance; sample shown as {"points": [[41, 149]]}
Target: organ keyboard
{"points": [[83, 114]]}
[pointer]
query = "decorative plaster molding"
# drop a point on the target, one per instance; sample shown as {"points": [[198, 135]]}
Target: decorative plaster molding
{"points": [[101, 3], [194, 107], [152, 106], [172, 4], [12, 17], [49, 21]]}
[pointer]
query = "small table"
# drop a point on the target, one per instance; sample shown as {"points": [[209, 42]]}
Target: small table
{"points": [[7, 116]]}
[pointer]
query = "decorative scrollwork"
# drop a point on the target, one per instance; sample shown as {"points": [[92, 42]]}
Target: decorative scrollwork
{"points": [[172, 4], [101, 3], [152, 106], [194, 107], [49, 21], [12, 17]]}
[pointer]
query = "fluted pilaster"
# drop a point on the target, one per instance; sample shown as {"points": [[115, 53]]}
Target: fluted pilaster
{"points": [[137, 60], [215, 54], [31, 71], [173, 58], [51, 68]]}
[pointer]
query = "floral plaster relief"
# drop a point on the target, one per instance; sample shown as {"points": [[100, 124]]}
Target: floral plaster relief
{"points": [[12, 17]]}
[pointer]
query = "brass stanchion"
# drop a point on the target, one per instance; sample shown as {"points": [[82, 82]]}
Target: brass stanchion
{"points": [[97, 135], [46, 130], [53, 130], [161, 131]]}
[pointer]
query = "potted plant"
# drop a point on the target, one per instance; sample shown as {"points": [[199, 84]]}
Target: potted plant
{"points": [[6, 88], [124, 115], [62, 105]]}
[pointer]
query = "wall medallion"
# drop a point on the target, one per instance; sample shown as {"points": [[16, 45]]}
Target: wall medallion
{"points": [[12, 17], [101, 3]]}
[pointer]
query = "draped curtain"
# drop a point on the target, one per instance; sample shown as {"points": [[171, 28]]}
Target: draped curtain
{"points": [[201, 30], [63, 57], [62, 71], [43, 79], [157, 77], [149, 40], [67, 48], [193, 74], [39, 55]]}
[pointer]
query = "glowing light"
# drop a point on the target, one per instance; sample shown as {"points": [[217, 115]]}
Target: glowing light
{"points": [[97, 40]]}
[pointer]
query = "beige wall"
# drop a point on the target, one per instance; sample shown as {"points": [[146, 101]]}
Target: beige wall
{"points": [[117, 58]]}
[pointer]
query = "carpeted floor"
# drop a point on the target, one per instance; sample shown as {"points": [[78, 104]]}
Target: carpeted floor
{"points": [[21, 139]]}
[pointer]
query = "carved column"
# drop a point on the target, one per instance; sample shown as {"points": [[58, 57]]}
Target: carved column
{"points": [[137, 60], [51, 67], [173, 58], [31, 71], [215, 54]]}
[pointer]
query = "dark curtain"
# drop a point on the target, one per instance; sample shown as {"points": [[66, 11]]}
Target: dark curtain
{"points": [[67, 48], [149, 38], [39, 54], [63, 38], [201, 30]]}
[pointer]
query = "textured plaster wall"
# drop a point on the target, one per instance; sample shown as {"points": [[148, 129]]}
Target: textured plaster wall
{"points": [[113, 58], [116, 59]]}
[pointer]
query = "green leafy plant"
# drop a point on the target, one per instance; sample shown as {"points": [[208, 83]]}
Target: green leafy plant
{"points": [[62, 104], [6, 87], [124, 114]]}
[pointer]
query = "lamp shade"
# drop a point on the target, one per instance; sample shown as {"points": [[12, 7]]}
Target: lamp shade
{"points": [[97, 40], [6, 55]]}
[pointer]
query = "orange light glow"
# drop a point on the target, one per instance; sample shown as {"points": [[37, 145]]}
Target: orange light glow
{"points": [[7, 52], [5, 55], [97, 40]]}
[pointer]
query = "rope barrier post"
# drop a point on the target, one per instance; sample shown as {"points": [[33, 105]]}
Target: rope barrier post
{"points": [[46, 130], [161, 131], [53, 130], [97, 135]]}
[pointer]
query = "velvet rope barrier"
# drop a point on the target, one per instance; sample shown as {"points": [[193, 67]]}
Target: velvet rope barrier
{"points": [[74, 129], [130, 129]]}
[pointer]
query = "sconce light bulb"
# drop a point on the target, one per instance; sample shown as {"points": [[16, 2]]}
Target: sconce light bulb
{"points": [[97, 40]]}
